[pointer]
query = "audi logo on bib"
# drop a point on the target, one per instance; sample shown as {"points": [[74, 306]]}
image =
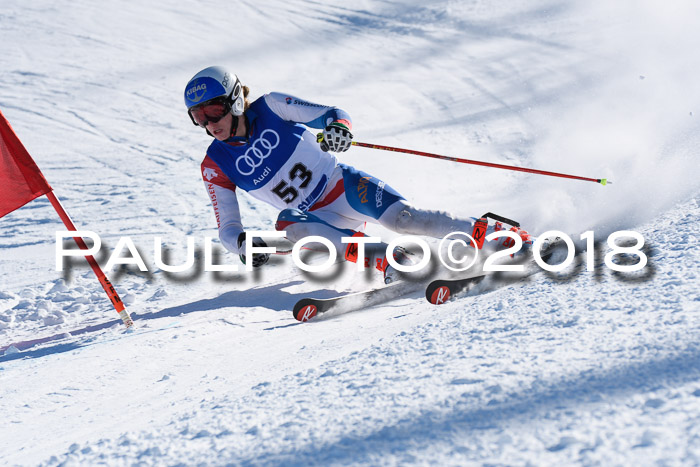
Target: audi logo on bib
{"points": [[258, 152]]}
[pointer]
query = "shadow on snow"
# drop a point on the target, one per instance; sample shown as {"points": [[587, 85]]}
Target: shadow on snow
{"points": [[271, 297]]}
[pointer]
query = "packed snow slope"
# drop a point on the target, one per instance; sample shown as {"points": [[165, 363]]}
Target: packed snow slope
{"points": [[583, 367]]}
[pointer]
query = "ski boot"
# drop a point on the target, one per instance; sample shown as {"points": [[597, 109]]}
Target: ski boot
{"points": [[548, 248], [401, 256], [482, 229]]}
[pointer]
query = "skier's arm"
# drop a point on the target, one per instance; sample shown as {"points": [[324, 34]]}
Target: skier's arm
{"points": [[222, 193], [335, 122], [293, 109]]}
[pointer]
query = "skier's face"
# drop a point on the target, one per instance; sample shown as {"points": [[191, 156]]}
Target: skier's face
{"points": [[221, 129]]}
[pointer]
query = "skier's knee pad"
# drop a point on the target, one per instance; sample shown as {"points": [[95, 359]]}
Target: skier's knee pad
{"points": [[409, 220], [406, 218]]}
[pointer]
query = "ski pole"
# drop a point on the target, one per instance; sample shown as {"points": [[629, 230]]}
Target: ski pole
{"points": [[602, 181]]}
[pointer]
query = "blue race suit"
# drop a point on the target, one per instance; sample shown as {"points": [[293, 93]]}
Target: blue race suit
{"points": [[281, 163]]}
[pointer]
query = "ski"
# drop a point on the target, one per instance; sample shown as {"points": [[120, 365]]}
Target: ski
{"points": [[440, 291], [308, 307], [437, 292]]}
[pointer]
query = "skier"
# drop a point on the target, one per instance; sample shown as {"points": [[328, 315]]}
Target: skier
{"points": [[265, 148]]}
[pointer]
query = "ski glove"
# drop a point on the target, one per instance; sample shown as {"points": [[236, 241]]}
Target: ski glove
{"points": [[336, 138], [258, 258]]}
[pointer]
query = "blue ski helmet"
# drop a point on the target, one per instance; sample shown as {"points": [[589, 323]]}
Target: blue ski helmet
{"points": [[214, 82]]}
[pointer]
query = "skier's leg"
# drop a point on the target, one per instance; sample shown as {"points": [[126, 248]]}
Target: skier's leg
{"points": [[364, 198], [404, 218], [355, 198], [298, 225]]}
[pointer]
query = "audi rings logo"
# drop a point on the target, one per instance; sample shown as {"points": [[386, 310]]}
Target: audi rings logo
{"points": [[258, 152]]}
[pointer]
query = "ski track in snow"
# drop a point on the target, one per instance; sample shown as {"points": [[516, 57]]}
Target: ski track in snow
{"points": [[590, 368]]}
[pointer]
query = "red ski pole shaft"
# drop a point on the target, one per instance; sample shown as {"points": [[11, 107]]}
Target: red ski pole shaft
{"points": [[104, 281], [602, 181]]}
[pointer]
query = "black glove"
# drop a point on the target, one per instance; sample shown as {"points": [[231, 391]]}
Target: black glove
{"points": [[258, 258], [336, 138]]}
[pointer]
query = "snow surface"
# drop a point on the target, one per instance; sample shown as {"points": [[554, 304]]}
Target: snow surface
{"points": [[592, 368]]}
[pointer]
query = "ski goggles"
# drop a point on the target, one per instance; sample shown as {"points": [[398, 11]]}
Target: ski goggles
{"points": [[210, 112]]}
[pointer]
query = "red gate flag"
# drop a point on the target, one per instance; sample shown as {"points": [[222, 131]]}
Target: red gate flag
{"points": [[20, 179]]}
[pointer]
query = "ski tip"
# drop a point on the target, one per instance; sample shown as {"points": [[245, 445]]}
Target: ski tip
{"points": [[605, 181], [440, 295], [441, 291], [304, 311]]}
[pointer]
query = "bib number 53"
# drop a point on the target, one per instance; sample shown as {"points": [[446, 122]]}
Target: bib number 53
{"points": [[288, 193]]}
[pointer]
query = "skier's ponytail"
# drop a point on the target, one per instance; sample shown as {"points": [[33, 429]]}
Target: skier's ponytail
{"points": [[246, 91]]}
